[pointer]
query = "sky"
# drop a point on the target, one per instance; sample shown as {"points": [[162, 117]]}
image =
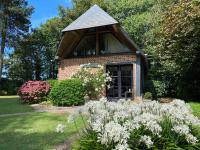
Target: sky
{"points": [[45, 9]]}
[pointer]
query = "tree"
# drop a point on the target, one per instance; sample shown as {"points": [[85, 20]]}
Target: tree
{"points": [[29, 60], [179, 47], [14, 22]]}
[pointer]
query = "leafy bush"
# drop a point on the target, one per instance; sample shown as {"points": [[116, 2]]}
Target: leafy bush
{"points": [[94, 83], [52, 82], [157, 88], [148, 95], [34, 91], [3, 92], [9, 87], [129, 126], [68, 93], [160, 88]]}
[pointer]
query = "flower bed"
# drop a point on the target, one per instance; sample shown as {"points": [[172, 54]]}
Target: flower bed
{"points": [[125, 125]]}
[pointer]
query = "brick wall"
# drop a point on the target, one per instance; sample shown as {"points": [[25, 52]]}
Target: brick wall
{"points": [[68, 67]]}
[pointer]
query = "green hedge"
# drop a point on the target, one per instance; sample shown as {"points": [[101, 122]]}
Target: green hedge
{"points": [[68, 93], [52, 82], [9, 87]]}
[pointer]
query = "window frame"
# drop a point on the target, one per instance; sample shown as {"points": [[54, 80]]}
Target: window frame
{"points": [[97, 44]]}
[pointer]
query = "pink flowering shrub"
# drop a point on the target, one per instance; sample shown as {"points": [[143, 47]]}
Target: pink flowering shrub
{"points": [[34, 91]]}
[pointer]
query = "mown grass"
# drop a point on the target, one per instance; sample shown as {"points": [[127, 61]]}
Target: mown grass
{"points": [[37, 130], [11, 104], [34, 131], [196, 108]]}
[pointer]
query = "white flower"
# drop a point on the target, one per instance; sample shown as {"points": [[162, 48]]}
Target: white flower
{"points": [[191, 139], [181, 129], [123, 146], [130, 125], [146, 140], [108, 78], [114, 121], [114, 132], [97, 125], [108, 86], [60, 128], [185, 130], [120, 116], [103, 99]]}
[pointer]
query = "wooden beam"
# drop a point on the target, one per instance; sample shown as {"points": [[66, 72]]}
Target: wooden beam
{"points": [[74, 44], [93, 33], [124, 38], [75, 33], [97, 43]]}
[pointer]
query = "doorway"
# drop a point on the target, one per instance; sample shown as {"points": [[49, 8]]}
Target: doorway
{"points": [[122, 80]]}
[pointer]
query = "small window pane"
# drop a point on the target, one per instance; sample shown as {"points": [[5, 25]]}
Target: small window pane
{"points": [[110, 44], [86, 47], [113, 70], [126, 70]]}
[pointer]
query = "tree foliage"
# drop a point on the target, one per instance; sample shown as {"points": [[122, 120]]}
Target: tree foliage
{"points": [[179, 47], [167, 30], [14, 22]]}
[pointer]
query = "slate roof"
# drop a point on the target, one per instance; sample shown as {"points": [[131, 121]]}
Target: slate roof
{"points": [[93, 17]]}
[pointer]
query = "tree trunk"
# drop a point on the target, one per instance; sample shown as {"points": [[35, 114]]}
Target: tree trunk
{"points": [[37, 71], [3, 34], [3, 41], [1, 64]]}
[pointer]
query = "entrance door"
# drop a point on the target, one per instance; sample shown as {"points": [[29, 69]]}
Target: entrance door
{"points": [[122, 80]]}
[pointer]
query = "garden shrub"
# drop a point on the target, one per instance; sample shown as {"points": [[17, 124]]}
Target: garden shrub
{"points": [[157, 88], [52, 82], [34, 91], [148, 95], [68, 93], [94, 83], [129, 126], [9, 87], [3, 92], [160, 88]]}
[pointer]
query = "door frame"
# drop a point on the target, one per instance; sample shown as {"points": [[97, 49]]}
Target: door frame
{"points": [[119, 65]]}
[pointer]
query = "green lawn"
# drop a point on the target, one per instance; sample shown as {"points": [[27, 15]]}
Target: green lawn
{"points": [[35, 131], [11, 104], [196, 108]]}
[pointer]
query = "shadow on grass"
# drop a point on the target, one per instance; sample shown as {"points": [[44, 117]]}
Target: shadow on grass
{"points": [[10, 105], [35, 131]]}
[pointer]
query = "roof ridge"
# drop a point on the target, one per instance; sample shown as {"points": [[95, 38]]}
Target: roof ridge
{"points": [[95, 16]]}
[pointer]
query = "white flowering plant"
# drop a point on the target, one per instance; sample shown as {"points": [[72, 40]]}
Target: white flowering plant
{"points": [[125, 125], [94, 83]]}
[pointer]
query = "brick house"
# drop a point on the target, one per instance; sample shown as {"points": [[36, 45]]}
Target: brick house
{"points": [[97, 38]]}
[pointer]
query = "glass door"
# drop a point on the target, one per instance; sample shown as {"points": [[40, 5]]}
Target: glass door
{"points": [[122, 80], [126, 80], [113, 91]]}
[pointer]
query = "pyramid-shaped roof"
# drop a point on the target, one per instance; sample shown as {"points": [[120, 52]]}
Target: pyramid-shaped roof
{"points": [[93, 17]]}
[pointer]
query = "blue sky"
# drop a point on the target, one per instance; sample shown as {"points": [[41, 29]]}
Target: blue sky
{"points": [[45, 9]]}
